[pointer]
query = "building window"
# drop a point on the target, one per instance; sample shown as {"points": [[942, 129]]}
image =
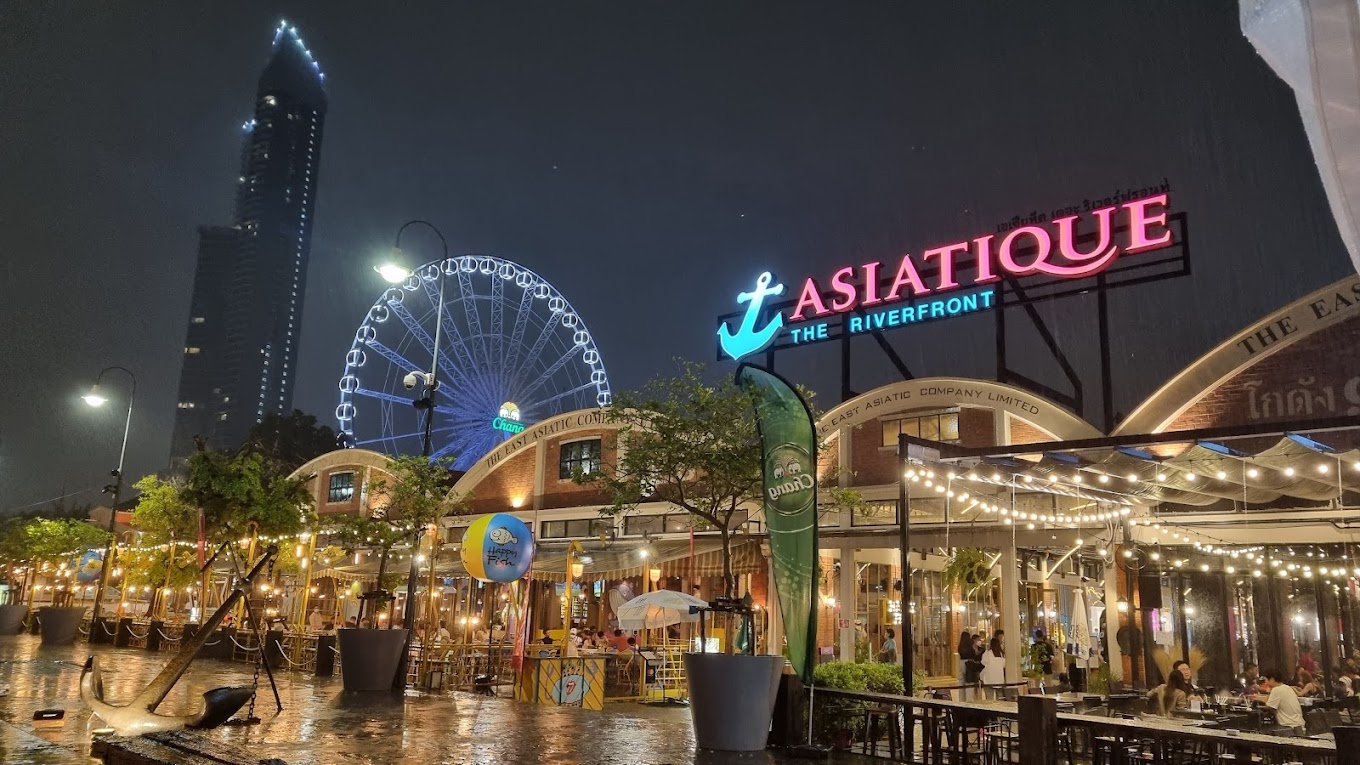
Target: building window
{"points": [[185, 405], [342, 487], [651, 525], [578, 529], [879, 513], [191, 350], [943, 426], [582, 456], [198, 320]]}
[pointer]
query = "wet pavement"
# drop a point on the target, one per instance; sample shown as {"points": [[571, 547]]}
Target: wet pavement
{"points": [[322, 725]]}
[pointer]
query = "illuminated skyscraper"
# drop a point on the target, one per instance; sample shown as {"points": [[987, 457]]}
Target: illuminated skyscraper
{"points": [[240, 354]]}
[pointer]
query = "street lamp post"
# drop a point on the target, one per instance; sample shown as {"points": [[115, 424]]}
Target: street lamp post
{"points": [[395, 273], [94, 398]]}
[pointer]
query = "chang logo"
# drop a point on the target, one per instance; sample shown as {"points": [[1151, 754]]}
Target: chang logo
{"points": [[790, 483], [507, 421]]}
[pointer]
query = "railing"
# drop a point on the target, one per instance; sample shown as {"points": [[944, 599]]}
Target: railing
{"points": [[946, 732]]}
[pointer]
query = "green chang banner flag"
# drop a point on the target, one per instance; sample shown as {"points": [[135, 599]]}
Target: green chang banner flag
{"points": [[789, 442]]}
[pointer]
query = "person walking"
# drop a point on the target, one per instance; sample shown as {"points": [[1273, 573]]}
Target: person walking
{"points": [[888, 651]]}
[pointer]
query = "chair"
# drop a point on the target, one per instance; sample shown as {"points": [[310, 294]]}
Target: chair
{"points": [[1002, 743], [1315, 722], [874, 714]]}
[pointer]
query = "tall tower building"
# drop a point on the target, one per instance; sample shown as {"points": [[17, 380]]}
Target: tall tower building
{"points": [[240, 353]]}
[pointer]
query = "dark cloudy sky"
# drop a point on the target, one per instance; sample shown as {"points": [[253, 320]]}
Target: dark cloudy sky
{"points": [[647, 158]]}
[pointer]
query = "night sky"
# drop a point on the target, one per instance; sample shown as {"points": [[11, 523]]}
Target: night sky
{"points": [[649, 159]]}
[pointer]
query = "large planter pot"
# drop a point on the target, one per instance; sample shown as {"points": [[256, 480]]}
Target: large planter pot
{"points": [[369, 658], [732, 699], [60, 625], [12, 619]]}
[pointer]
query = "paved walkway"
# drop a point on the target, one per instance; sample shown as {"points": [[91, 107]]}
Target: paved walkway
{"points": [[322, 725]]}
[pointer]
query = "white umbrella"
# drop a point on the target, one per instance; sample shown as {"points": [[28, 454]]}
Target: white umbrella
{"points": [[1080, 634], [658, 609]]}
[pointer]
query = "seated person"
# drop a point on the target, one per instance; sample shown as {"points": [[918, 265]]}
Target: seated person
{"points": [[1172, 695], [1284, 700], [1250, 680], [1306, 684]]}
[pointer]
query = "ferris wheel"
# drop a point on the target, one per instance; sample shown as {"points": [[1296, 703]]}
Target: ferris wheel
{"points": [[512, 351]]}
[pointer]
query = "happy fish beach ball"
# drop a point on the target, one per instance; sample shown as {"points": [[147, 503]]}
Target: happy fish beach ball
{"points": [[497, 548]]}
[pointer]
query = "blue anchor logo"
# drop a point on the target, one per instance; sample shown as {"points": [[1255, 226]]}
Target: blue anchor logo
{"points": [[748, 339]]}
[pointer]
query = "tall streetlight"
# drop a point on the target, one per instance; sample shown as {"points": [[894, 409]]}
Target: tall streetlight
{"points": [[96, 399], [396, 273]]}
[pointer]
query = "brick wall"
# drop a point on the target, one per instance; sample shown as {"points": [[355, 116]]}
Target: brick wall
{"points": [[1024, 433], [513, 479], [564, 492], [875, 464], [1319, 376], [977, 427]]}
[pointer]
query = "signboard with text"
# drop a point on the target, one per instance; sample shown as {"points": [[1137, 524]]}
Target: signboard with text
{"points": [[1109, 240]]}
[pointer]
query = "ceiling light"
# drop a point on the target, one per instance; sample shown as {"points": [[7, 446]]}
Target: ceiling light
{"points": [[1252, 472], [1222, 475]]}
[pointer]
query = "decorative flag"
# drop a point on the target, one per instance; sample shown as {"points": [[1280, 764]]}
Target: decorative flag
{"points": [[789, 441]]}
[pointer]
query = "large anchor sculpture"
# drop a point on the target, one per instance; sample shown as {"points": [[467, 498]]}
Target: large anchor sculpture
{"points": [[139, 716]]}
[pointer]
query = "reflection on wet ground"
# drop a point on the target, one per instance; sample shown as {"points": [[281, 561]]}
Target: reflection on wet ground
{"points": [[322, 725]]}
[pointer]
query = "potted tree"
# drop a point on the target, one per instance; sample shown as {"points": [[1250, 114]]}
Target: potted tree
{"points": [[14, 611], [694, 444], [54, 540], [415, 496]]}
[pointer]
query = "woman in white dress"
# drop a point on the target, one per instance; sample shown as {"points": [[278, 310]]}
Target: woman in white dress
{"points": [[993, 669]]}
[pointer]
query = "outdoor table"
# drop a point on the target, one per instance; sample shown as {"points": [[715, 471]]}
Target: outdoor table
{"points": [[570, 681]]}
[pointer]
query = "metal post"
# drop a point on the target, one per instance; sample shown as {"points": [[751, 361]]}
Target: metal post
{"points": [[1184, 626], [1106, 373], [1318, 597], [412, 576], [111, 548], [904, 557]]}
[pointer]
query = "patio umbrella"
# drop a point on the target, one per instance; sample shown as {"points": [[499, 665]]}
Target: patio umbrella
{"points": [[658, 609], [1080, 635]]}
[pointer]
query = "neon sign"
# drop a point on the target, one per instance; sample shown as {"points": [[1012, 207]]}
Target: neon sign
{"points": [[508, 419], [877, 295]]}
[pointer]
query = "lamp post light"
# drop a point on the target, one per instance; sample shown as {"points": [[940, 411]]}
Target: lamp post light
{"points": [[95, 399], [395, 273]]}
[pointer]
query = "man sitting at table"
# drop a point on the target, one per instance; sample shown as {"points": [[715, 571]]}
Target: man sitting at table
{"points": [[1284, 699]]}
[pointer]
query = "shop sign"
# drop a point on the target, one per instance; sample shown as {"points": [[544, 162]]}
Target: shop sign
{"points": [[507, 421], [883, 295]]}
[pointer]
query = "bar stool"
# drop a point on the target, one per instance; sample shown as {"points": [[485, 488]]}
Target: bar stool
{"points": [[873, 715]]}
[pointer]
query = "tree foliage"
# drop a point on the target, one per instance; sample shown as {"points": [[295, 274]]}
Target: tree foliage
{"points": [[163, 513], [246, 493], [416, 495], [290, 441], [50, 539], [688, 442]]}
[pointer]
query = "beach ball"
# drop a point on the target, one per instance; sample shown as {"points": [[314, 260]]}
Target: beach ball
{"points": [[497, 548]]}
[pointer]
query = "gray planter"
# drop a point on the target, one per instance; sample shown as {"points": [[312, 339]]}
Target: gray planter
{"points": [[12, 619], [60, 625], [369, 658], [731, 699]]}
